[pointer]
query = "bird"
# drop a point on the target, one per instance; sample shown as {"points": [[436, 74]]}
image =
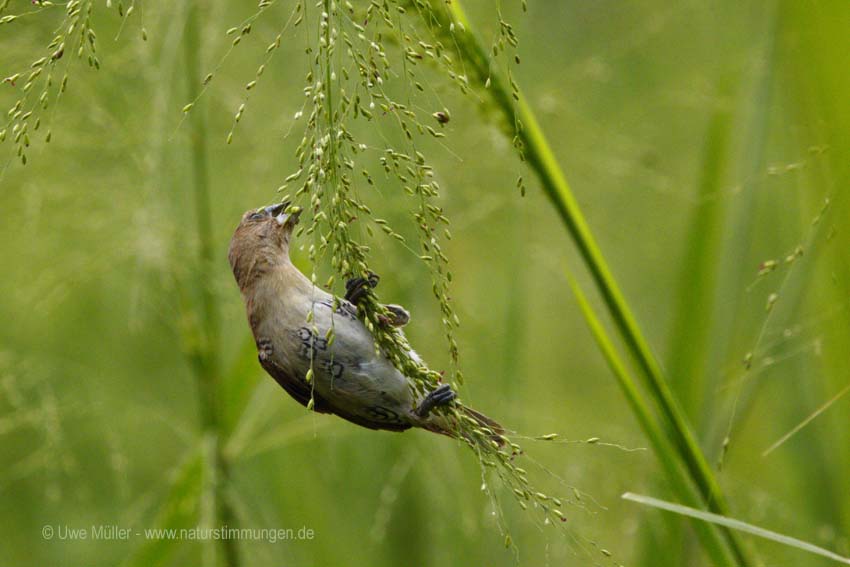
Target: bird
{"points": [[346, 376]]}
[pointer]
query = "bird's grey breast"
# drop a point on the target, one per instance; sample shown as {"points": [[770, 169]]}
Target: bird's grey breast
{"points": [[301, 329]]}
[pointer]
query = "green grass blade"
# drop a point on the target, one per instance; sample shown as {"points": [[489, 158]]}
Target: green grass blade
{"points": [[690, 338], [690, 341], [690, 335], [734, 524], [711, 539], [737, 265]]}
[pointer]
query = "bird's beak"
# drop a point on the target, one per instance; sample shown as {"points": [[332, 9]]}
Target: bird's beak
{"points": [[275, 210], [284, 214]]}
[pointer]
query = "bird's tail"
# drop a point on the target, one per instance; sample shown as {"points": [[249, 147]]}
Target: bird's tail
{"points": [[446, 425]]}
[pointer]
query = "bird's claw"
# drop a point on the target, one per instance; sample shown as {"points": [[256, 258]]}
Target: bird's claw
{"points": [[440, 396], [397, 316], [356, 288]]}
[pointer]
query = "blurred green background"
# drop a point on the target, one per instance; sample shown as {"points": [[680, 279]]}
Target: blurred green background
{"points": [[701, 140]]}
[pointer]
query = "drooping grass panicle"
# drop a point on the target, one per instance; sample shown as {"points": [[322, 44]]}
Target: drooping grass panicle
{"points": [[354, 77], [43, 82]]}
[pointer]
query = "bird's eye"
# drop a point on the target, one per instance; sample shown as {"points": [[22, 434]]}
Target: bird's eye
{"points": [[257, 216]]}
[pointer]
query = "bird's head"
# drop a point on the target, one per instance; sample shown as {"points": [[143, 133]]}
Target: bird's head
{"points": [[261, 240]]}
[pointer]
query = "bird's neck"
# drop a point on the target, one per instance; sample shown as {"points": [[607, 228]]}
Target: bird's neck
{"points": [[250, 270], [281, 291], [277, 276]]}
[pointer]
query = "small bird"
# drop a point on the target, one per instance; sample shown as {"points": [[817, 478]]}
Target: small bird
{"points": [[346, 376]]}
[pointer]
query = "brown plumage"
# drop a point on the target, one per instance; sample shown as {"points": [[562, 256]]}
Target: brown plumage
{"points": [[349, 378]]}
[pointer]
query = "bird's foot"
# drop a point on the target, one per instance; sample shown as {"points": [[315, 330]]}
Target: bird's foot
{"points": [[440, 396], [356, 288], [265, 349], [398, 316]]}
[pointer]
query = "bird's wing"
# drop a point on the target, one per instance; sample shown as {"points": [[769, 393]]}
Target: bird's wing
{"points": [[301, 391], [297, 388]]}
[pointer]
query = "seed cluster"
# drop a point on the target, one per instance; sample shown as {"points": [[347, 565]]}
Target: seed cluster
{"points": [[503, 53], [348, 81], [353, 77], [38, 84]]}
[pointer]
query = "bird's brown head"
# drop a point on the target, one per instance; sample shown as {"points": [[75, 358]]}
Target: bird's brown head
{"points": [[261, 240]]}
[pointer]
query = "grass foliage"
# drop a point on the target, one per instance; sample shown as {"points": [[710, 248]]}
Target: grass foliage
{"points": [[706, 152]]}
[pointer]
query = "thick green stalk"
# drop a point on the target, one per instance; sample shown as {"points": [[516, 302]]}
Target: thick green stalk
{"points": [[207, 364], [542, 160]]}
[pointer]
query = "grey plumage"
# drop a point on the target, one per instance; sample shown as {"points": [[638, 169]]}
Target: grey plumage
{"points": [[349, 377]]}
